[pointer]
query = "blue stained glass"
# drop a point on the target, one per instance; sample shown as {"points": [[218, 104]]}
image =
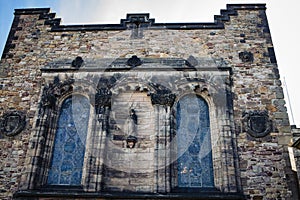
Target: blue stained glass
{"points": [[195, 166], [69, 144]]}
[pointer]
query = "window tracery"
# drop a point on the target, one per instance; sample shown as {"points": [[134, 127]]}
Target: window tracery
{"points": [[194, 149], [69, 144]]}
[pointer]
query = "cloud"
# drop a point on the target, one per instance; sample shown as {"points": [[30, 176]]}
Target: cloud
{"points": [[79, 11], [111, 11]]}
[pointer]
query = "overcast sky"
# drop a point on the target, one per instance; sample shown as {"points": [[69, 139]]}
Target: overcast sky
{"points": [[282, 15]]}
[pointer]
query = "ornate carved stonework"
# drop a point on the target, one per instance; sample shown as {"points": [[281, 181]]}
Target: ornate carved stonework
{"points": [[104, 94], [55, 90], [163, 95], [102, 98], [12, 123], [257, 123], [163, 99], [246, 56]]}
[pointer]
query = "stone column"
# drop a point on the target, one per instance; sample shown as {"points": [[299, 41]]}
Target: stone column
{"points": [[163, 104], [98, 140]]}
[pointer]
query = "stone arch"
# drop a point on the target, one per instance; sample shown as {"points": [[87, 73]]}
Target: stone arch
{"points": [[42, 142], [222, 135], [69, 143], [193, 141]]}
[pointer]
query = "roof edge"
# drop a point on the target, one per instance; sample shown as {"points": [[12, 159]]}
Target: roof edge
{"points": [[231, 10], [31, 11]]}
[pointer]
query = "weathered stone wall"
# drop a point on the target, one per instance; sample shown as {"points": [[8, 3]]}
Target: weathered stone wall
{"points": [[260, 169], [20, 90], [296, 152]]}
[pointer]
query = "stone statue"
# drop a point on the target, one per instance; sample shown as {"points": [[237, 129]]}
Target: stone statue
{"points": [[131, 123]]}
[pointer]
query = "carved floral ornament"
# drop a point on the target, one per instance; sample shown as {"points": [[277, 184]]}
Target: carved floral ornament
{"points": [[12, 123], [257, 123]]}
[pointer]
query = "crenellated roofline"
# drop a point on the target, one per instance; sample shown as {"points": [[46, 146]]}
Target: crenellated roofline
{"points": [[145, 21]]}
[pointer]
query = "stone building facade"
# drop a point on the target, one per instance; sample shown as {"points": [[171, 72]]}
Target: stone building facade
{"points": [[143, 110]]}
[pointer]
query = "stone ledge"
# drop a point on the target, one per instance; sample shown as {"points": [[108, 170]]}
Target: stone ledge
{"points": [[213, 194]]}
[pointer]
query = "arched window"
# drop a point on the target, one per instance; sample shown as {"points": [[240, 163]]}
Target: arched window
{"points": [[194, 149], [69, 144]]}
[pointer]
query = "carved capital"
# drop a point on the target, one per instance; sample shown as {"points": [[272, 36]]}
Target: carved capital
{"points": [[162, 96], [163, 99]]}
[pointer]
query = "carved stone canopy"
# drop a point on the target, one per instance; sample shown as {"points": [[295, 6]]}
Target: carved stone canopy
{"points": [[55, 90], [162, 96], [102, 99]]}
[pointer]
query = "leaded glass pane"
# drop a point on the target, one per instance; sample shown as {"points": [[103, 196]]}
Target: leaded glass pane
{"points": [[69, 143], [195, 168]]}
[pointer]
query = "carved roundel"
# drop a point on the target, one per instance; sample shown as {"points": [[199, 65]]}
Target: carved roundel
{"points": [[257, 123], [12, 123]]}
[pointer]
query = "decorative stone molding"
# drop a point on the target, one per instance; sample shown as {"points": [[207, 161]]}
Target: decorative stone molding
{"points": [[257, 123], [12, 123]]}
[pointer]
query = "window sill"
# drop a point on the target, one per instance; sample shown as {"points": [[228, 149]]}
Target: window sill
{"points": [[125, 195]]}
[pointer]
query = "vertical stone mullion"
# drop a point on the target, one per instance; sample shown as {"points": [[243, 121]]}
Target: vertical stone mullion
{"points": [[162, 152], [42, 152], [156, 148], [167, 150], [163, 102], [100, 146]]}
